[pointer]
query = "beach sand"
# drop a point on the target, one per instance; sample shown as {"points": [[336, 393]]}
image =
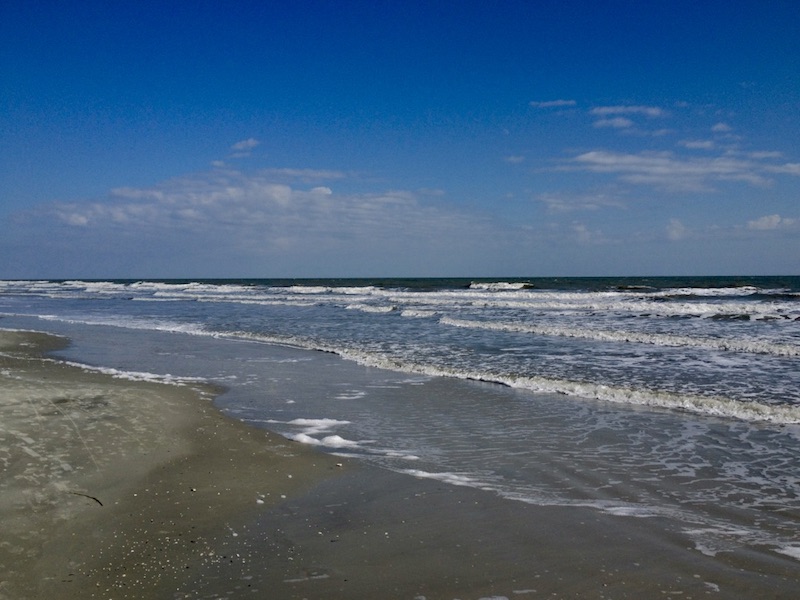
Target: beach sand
{"points": [[119, 489]]}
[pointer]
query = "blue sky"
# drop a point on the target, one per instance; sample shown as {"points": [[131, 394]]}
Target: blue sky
{"points": [[306, 139]]}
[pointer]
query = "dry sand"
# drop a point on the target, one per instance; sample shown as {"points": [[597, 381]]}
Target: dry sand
{"points": [[119, 489]]}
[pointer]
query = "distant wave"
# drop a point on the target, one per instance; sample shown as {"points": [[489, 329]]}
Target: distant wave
{"points": [[371, 308], [732, 344], [718, 303], [501, 286]]}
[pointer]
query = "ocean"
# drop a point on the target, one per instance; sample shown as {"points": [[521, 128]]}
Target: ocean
{"points": [[673, 398]]}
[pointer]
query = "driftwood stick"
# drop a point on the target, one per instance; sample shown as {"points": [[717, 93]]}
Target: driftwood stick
{"points": [[86, 496]]}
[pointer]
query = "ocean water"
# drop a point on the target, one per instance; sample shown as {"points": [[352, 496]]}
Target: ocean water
{"points": [[663, 398]]}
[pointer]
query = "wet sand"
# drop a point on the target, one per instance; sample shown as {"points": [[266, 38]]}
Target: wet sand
{"points": [[119, 489]]}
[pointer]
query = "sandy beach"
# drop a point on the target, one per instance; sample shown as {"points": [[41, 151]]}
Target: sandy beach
{"points": [[121, 489], [114, 488]]}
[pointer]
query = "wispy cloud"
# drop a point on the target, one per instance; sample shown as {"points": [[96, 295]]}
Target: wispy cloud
{"points": [[648, 111], [764, 228], [243, 148], [563, 203], [304, 175], [257, 210], [256, 222], [771, 222], [553, 103], [667, 171], [698, 144], [586, 235], [787, 168], [758, 155], [621, 117], [210, 200], [676, 230], [616, 123], [245, 145]]}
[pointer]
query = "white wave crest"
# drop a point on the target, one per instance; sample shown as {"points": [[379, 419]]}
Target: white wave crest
{"points": [[702, 405], [500, 286], [418, 314], [656, 339], [330, 441], [315, 426], [370, 308], [132, 375], [451, 478]]}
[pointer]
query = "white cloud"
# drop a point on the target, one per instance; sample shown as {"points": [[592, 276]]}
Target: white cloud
{"points": [[616, 122], [676, 230], [303, 174], [585, 235], [259, 215], [771, 222], [721, 128], [698, 144], [582, 232], [130, 193], [553, 103], [75, 219], [562, 203], [788, 168], [431, 192], [245, 145], [514, 160], [649, 111], [663, 169], [660, 132]]}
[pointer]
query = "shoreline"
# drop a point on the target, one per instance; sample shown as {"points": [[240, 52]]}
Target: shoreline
{"points": [[121, 489]]}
